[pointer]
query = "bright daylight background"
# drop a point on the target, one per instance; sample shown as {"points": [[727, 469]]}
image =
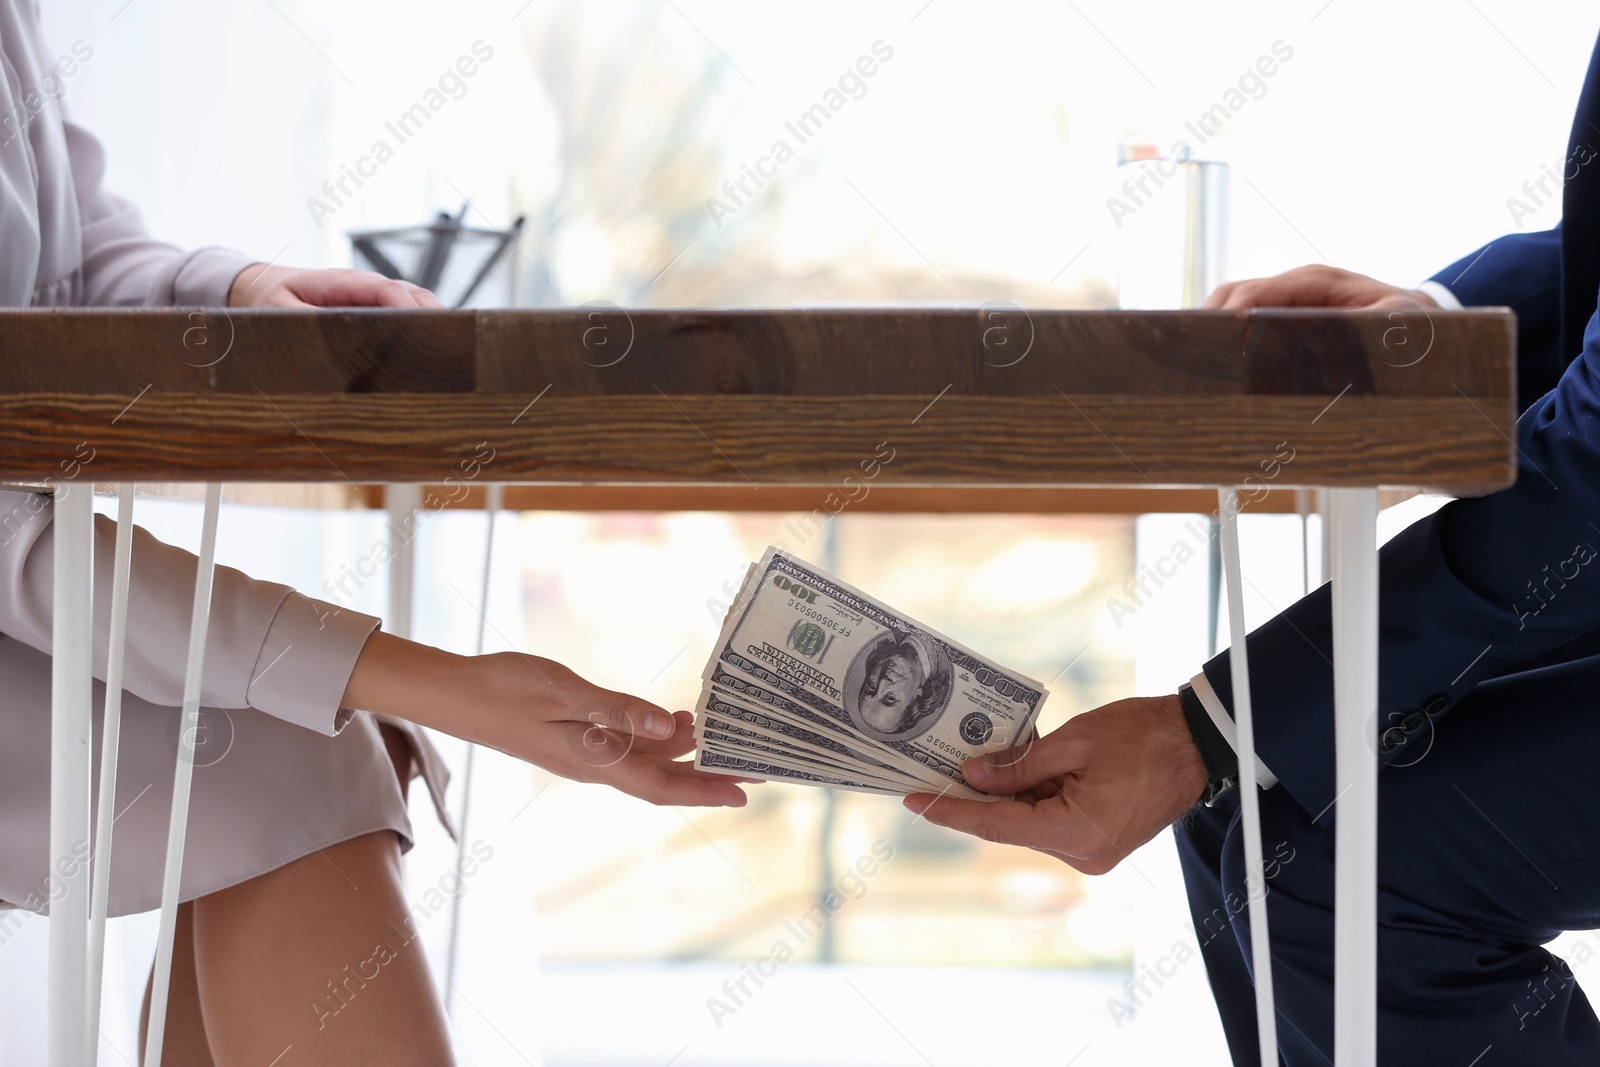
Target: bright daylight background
{"points": [[975, 166]]}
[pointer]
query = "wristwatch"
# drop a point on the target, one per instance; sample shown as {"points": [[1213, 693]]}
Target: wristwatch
{"points": [[1221, 762]]}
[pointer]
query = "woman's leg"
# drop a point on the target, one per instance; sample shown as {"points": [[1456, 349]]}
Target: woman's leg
{"points": [[289, 954], [184, 1040], [315, 962]]}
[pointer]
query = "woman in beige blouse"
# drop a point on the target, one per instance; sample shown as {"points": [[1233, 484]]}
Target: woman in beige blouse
{"points": [[292, 874]]}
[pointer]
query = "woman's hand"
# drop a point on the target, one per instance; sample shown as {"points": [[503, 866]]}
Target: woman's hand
{"points": [[539, 711], [262, 285]]}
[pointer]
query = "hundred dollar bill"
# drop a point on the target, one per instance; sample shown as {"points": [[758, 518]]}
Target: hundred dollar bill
{"points": [[869, 671], [722, 763], [721, 734], [766, 714], [721, 723], [724, 707], [711, 746], [740, 692], [734, 733]]}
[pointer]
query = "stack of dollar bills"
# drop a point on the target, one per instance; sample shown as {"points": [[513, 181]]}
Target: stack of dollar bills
{"points": [[813, 681]]}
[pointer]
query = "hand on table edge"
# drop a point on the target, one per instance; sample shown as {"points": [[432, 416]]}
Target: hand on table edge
{"points": [[1088, 793], [1316, 285], [264, 285], [543, 713]]}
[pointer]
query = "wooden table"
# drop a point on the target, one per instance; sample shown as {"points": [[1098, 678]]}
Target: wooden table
{"points": [[906, 408], [641, 398]]}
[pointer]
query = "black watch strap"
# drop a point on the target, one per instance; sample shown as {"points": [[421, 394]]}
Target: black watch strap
{"points": [[1221, 761]]}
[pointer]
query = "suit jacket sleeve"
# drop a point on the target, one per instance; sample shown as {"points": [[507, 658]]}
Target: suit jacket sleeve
{"points": [[1521, 271], [267, 647], [1477, 587]]}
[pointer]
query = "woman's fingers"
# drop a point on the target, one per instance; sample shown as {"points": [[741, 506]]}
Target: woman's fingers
{"points": [[681, 741], [347, 288], [624, 714], [602, 732], [352, 289], [263, 285], [424, 298], [662, 781]]}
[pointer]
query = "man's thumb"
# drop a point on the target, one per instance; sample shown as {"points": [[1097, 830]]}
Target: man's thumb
{"points": [[1013, 770]]}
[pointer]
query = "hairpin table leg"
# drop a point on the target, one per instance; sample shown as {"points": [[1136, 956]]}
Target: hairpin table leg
{"points": [[1249, 780], [496, 495], [71, 742], [110, 737], [183, 776], [1352, 536]]}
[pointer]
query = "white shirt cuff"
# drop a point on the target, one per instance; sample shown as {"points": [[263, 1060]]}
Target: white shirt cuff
{"points": [[1224, 723], [1440, 295]]}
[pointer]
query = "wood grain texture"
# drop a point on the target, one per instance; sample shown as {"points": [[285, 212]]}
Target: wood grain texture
{"points": [[964, 399]]}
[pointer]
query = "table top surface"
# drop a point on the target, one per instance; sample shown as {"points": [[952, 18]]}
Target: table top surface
{"points": [[959, 400]]}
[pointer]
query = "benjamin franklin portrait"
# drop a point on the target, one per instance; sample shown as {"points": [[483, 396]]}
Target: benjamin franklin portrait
{"points": [[898, 684]]}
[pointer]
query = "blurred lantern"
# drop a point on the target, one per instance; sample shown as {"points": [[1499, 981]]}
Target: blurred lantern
{"points": [[463, 265]]}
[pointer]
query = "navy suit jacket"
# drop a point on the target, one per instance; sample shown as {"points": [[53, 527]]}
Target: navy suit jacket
{"points": [[1483, 587]]}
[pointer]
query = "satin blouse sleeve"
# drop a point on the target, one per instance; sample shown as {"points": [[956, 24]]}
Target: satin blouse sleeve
{"points": [[123, 264], [267, 647]]}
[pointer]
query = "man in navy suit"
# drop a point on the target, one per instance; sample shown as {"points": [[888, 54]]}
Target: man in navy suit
{"points": [[1489, 719]]}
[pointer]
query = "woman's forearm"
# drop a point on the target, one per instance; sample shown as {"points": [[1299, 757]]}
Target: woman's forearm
{"points": [[487, 699], [540, 711], [412, 681]]}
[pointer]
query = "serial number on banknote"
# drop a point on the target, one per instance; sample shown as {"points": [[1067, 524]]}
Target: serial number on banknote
{"points": [[822, 618]]}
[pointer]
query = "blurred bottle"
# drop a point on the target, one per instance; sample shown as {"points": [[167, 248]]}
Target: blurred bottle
{"points": [[1172, 214]]}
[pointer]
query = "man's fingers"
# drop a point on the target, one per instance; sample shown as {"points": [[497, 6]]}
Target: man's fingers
{"points": [[1303, 286], [1016, 769], [1219, 296], [1314, 285], [1407, 300], [1049, 825], [1008, 822]]}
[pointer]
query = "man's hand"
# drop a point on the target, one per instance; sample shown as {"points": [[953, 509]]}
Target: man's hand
{"points": [[1316, 286], [262, 285], [1091, 792]]}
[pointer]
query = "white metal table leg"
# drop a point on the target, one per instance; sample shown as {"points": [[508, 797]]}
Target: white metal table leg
{"points": [[110, 738], [401, 503], [71, 743], [183, 775], [1249, 781], [1352, 536], [1303, 500], [495, 497], [1325, 517]]}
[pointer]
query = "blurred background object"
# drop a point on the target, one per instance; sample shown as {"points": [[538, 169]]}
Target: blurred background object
{"points": [[1174, 246], [464, 266]]}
